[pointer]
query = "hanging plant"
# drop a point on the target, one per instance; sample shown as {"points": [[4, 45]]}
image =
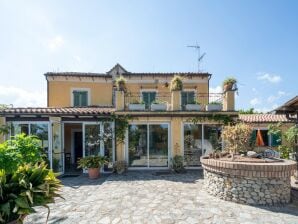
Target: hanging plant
{"points": [[176, 83], [121, 83]]}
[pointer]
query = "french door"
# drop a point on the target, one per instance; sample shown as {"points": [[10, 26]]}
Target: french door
{"points": [[148, 145], [98, 139]]}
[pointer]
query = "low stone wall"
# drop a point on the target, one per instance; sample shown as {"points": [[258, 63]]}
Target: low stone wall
{"points": [[249, 183]]}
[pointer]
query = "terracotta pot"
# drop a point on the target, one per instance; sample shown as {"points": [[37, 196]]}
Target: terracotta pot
{"points": [[228, 87], [94, 173]]}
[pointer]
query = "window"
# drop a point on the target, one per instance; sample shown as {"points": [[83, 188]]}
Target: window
{"points": [[148, 98], [80, 98], [269, 140], [187, 97]]}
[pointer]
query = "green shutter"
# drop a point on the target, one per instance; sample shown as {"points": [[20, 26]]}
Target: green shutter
{"points": [[183, 98], [84, 99], [275, 140], [152, 97], [145, 97], [76, 99], [253, 138]]}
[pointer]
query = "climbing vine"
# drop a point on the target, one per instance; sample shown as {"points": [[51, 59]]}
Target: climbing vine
{"points": [[121, 125], [220, 118]]}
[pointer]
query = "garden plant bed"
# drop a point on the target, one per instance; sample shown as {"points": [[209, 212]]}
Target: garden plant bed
{"points": [[248, 182], [238, 158]]}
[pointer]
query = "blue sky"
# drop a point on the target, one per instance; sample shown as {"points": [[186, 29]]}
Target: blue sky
{"points": [[255, 41]]}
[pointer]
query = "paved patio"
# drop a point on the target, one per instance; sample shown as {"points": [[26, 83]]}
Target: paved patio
{"points": [[144, 197]]}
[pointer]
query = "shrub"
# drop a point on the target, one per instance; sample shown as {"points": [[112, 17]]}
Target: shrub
{"points": [[121, 83], [19, 150], [25, 188], [176, 83], [120, 166], [177, 164], [237, 137]]}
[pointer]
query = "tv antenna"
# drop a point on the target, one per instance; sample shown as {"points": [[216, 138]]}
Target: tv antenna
{"points": [[200, 57]]}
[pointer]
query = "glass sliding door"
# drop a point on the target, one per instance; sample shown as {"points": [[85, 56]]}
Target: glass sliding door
{"points": [[212, 140], [137, 146], [192, 144], [148, 145], [41, 130], [92, 139], [158, 145]]}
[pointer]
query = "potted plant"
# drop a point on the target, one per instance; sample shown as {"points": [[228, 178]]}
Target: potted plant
{"points": [[158, 105], [177, 164], [214, 106], [229, 84], [25, 188], [121, 83], [193, 106], [93, 164], [136, 105], [176, 83]]}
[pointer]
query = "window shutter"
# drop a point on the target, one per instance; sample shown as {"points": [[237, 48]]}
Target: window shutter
{"points": [[253, 138], [84, 99], [152, 97], [145, 97], [76, 99], [275, 140], [183, 98]]}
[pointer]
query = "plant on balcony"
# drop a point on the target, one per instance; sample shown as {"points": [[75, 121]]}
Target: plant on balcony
{"points": [[25, 188], [193, 105], [136, 105], [229, 84], [121, 83], [176, 83], [93, 164], [237, 138], [214, 106], [158, 105]]}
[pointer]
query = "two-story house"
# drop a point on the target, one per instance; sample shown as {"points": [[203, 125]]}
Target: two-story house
{"points": [[80, 108]]}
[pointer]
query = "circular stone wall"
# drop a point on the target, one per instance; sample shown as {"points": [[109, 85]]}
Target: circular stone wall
{"points": [[249, 183]]}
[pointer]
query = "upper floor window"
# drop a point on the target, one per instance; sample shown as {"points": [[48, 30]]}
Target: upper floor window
{"points": [[80, 98], [187, 97], [148, 97]]}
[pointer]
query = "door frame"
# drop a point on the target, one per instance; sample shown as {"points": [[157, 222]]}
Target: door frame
{"points": [[148, 165]]}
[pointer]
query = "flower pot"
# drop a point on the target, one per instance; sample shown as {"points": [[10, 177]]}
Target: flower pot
{"points": [[93, 173], [136, 106], [228, 87], [158, 107], [193, 107], [214, 107]]}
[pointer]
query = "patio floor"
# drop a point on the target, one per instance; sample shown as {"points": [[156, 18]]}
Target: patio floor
{"points": [[144, 197]]}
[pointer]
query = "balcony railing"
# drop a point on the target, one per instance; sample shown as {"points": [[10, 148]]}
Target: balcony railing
{"points": [[162, 101]]}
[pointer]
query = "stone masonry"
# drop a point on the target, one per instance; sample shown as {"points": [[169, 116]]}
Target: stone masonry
{"points": [[249, 183]]}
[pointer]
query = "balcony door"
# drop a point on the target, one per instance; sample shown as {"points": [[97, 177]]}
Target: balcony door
{"points": [[148, 97]]}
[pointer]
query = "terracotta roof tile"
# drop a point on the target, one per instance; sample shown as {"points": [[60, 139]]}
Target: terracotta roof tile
{"points": [[59, 110], [262, 118]]}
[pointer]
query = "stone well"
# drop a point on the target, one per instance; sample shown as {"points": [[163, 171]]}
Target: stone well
{"points": [[249, 183]]}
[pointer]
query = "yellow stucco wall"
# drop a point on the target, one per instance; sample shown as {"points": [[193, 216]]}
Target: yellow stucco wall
{"points": [[60, 93]]}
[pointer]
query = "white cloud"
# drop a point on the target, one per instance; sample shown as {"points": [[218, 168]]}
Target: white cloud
{"points": [[214, 93], [255, 91], [274, 98], [255, 101], [21, 98], [55, 43], [216, 89], [269, 77]]}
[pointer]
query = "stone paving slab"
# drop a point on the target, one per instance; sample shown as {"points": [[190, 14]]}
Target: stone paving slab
{"points": [[143, 197]]}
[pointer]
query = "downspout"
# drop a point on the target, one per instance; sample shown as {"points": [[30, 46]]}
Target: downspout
{"points": [[209, 85]]}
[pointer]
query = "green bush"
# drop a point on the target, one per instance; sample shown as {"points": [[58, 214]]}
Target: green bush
{"points": [[177, 163], [92, 162], [25, 188], [20, 150]]}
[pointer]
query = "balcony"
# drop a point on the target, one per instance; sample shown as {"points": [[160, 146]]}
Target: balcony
{"points": [[166, 101]]}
